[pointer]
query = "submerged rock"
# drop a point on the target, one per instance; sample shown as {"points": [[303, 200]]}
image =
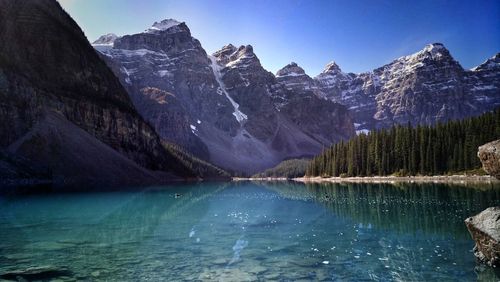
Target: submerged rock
{"points": [[489, 154], [485, 230], [220, 261], [36, 273]]}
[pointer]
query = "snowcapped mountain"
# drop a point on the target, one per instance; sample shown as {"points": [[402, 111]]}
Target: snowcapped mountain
{"points": [[484, 83], [105, 40], [163, 25], [224, 107], [294, 78], [423, 88]]}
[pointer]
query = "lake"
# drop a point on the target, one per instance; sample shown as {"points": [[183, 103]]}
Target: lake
{"points": [[246, 231]]}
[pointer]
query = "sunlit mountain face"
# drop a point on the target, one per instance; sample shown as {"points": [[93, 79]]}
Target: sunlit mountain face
{"points": [[261, 118]]}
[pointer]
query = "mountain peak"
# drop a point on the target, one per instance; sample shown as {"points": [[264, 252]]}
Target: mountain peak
{"points": [[435, 48], [245, 49], [223, 55], [226, 50], [292, 69], [229, 46], [232, 57], [490, 64], [332, 67], [434, 51], [163, 25], [107, 40]]}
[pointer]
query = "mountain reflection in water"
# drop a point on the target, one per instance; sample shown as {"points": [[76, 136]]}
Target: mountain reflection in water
{"points": [[246, 231]]}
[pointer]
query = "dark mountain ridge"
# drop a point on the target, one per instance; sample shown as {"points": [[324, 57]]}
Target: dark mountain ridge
{"points": [[63, 112]]}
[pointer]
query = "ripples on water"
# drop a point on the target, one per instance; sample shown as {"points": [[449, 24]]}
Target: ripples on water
{"points": [[248, 231]]}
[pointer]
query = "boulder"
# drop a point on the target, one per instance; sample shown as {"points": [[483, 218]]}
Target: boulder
{"points": [[485, 230], [489, 154]]}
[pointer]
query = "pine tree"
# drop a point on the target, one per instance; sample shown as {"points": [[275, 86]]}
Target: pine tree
{"points": [[426, 150]]}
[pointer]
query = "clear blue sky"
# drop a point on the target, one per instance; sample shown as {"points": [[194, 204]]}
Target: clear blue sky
{"points": [[358, 35]]}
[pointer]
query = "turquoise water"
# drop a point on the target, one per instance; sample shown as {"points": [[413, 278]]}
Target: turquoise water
{"points": [[247, 232]]}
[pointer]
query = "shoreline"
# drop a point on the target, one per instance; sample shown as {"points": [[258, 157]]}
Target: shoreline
{"points": [[382, 179]]}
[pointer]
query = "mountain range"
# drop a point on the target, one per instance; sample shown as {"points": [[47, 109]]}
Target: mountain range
{"points": [[154, 107], [227, 109]]}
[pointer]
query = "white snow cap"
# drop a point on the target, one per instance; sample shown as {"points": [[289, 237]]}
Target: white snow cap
{"points": [[436, 50], [491, 63], [332, 67], [292, 69], [163, 25], [107, 39], [434, 47]]}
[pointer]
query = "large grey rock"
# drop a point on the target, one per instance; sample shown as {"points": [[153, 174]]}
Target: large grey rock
{"points": [[489, 154], [485, 230]]}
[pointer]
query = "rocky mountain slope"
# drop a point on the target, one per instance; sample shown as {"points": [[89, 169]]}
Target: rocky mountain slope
{"points": [[423, 88], [64, 115], [225, 107]]}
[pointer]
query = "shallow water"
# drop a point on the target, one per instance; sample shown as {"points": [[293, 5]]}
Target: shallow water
{"points": [[248, 231]]}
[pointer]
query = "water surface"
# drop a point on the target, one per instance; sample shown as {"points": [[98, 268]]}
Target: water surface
{"points": [[244, 231]]}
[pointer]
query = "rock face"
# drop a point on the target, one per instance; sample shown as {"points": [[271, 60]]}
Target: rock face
{"points": [[63, 111], [225, 107], [423, 88], [489, 154], [485, 230]]}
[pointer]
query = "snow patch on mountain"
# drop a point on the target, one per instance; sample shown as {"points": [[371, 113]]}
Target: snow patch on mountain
{"points": [[490, 64], [105, 40], [163, 25], [240, 117], [241, 61], [362, 131]]}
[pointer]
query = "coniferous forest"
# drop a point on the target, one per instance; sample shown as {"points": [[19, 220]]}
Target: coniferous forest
{"points": [[405, 150]]}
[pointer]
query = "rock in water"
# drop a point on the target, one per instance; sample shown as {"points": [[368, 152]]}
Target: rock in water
{"points": [[36, 273], [489, 154], [485, 230]]}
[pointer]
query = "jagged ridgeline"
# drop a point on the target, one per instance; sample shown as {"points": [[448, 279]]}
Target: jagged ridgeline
{"points": [[405, 150]]}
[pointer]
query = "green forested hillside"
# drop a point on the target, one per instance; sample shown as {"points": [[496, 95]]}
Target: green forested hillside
{"points": [[406, 150], [289, 169], [197, 166]]}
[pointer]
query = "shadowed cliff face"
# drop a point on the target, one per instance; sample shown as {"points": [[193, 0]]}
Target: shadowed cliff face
{"points": [[47, 69]]}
